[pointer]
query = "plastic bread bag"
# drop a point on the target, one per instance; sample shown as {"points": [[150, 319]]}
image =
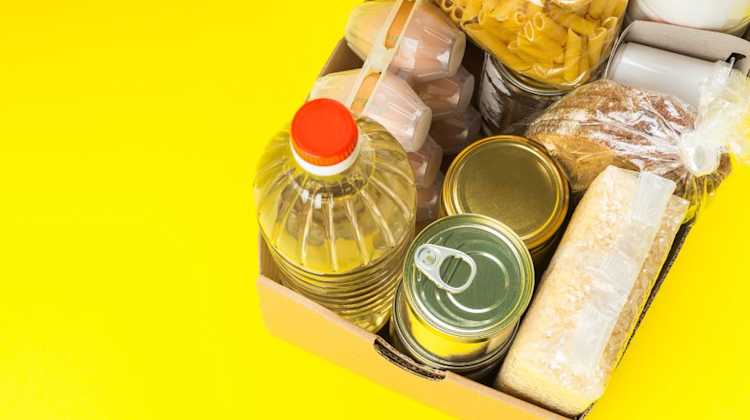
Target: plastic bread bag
{"points": [[722, 125], [423, 43], [555, 43], [383, 97], [447, 96], [594, 290], [605, 123]]}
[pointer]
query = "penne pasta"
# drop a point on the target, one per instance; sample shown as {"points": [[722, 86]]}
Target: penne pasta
{"points": [[580, 8], [544, 74], [596, 45], [611, 25], [584, 67], [532, 55], [620, 7], [560, 42], [506, 9], [538, 40], [536, 51], [609, 9], [572, 57], [485, 19], [447, 5], [560, 59], [572, 5], [572, 21], [490, 5], [498, 48], [472, 8], [549, 28], [496, 29], [532, 7], [597, 8], [513, 23]]}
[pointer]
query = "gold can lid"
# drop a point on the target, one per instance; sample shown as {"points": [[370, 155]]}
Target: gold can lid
{"points": [[512, 180]]}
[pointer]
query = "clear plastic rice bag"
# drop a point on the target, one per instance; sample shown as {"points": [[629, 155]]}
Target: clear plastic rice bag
{"points": [[594, 290]]}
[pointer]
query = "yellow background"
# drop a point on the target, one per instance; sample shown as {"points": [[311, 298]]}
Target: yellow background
{"points": [[130, 132]]}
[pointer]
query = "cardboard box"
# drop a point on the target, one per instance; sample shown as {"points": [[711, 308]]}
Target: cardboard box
{"points": [[705, 45], [368, 354]]}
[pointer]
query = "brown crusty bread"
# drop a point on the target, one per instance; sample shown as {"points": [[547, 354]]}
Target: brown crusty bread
{"points": [[605, 123]]}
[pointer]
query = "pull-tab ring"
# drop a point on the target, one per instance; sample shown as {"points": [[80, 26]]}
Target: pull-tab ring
{"points": [[429, 258]]}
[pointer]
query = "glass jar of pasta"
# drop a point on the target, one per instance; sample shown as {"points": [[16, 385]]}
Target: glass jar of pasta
{"points": [[505, 100], [556, 44]]}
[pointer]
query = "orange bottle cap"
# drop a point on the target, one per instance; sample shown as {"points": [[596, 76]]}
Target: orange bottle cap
{"points": [[324, 132]]}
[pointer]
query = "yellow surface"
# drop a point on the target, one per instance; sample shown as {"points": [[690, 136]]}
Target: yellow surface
{"points": [[129, 137]]}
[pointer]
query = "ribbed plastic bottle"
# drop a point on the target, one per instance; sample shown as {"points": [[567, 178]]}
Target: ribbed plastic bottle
{"points": [[336, 203]]}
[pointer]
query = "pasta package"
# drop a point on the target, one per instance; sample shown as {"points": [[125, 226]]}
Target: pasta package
{"points": [[555, 43], [594, 290], [605, 123]]}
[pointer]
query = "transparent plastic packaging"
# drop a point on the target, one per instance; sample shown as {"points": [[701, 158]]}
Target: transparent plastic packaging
{"points": [[593, 291], [729, 16], [554, 43], [457, 131], [383, 97], [423, 43], [426, 163], [447, 96], [337, 86], [605, 123], [428, 200], [338, 231], [722, 126]]}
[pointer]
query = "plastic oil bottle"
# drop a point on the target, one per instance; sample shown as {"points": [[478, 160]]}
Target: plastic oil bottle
{"points": [[336, 204]]}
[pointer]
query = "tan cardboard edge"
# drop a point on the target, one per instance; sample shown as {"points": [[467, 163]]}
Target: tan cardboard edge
{"points": [[342, 59], [310, 326], [706, 45]]}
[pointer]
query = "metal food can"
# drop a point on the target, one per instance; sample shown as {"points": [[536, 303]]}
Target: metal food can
{"points": [[514, 181], [468, 279], [505, 98]]}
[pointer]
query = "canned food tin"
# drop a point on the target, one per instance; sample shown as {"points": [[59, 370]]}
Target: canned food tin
{"points": [[513, 180], [480, 370], [468, 279], [505, 98]]}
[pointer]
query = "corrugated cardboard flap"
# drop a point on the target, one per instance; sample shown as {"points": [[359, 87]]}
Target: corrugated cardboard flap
{"points": [[303, 322], [706, 45]]}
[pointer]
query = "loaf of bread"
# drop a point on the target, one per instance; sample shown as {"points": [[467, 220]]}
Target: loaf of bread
{"points": [[594, 291], [605, 123]]}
